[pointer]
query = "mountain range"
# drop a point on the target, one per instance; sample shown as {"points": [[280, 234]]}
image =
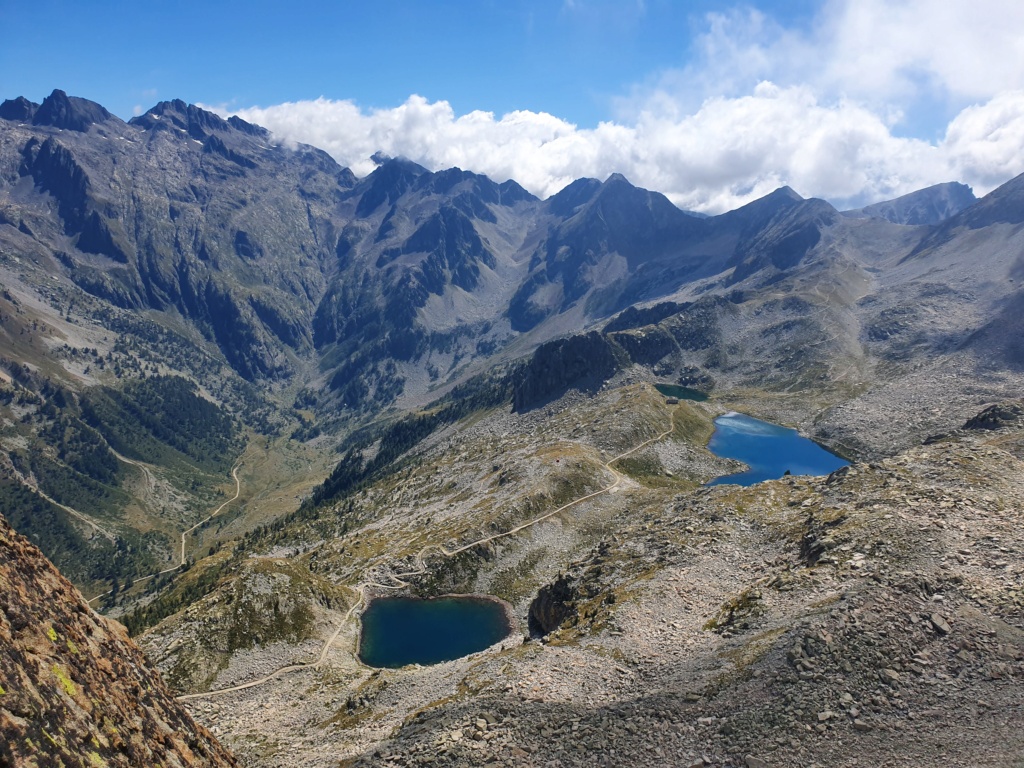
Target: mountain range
{"points": [[190, 307]]}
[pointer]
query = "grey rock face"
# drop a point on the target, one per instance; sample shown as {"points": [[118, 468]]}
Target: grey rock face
{"points": [[576, 362], [553, 604], [997, 416], [407, 280], [931, 205], [19, 110], [59, 110]]}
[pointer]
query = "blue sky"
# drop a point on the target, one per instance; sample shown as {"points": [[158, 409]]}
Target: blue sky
{"points": [[713, 103], [572, 59]]}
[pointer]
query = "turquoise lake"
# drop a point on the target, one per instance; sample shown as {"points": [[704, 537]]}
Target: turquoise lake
{"points": [[768, 449], [406, 630]]}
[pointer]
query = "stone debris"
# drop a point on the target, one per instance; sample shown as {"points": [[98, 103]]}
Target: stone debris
{"points": [[800, 622], [940, 624]]}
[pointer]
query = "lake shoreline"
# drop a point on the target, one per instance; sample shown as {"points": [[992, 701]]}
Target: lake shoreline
{"points": [[510, 627], [737, 435]]}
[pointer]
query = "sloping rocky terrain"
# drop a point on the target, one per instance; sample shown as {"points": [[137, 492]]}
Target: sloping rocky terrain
{"points": [[871, 616], [74, 689]]}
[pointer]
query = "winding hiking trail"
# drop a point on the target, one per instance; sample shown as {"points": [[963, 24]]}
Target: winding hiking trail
{"points": [[186, 532], [421, 568], [150, 480], [110, 536]]}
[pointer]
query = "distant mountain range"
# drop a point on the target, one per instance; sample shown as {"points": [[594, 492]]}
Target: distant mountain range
{"points": [[183, 244], [396, 282]]}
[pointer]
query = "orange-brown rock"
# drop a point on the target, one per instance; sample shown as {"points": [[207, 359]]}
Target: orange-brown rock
{"points": [[74, 689]]}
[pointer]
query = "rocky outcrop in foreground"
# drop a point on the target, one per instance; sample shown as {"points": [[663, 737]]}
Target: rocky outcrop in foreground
{"points": [[74, 689]]}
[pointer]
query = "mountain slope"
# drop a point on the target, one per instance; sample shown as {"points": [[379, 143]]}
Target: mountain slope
{"points": [[931, 205], [74, 689], [183, 299], [306, 302], [387, 289], [683, 621]]}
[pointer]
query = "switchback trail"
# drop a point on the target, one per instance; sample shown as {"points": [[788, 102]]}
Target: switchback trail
{"points": [[150, 480], [399, 578], [186, 532]]}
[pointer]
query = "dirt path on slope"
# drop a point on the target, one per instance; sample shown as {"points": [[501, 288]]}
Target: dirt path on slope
{"points": [[185, 533], [399, 578]]}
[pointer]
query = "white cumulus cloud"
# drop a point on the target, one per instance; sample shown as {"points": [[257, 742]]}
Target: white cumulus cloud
{"points": [[728, 152], [819, 109]]}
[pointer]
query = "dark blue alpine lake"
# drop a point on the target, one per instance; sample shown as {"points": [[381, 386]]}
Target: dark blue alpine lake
{"points": [[681, 392], [768, 449], [408, 630]]}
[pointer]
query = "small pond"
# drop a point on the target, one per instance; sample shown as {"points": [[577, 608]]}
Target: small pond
{"points": [[407, 630], [768, 449], [681, 392]]}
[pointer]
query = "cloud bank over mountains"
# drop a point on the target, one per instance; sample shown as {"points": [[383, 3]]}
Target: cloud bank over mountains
{"points": [[830, 109]]}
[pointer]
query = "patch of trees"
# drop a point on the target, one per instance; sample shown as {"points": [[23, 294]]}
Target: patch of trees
{"points": [[163, 420], [70, 461], [143, 345], [79, 557], [482, 392], [195, 586], [395, 439]]}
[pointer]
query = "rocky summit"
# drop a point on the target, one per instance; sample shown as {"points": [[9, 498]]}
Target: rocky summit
{"points": [[244, 392]]}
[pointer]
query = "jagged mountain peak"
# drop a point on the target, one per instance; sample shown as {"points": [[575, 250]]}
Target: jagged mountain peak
{"points": [[245, 127], [784, 192], [618, 187], [59, 110], [600, 198], [569, 198], [513, 192], [455, 182], [180, 108], [758, 213], [19, 110], [395, 165], [781, 233], [197, 122], [388, 182], [1003, 205]]}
